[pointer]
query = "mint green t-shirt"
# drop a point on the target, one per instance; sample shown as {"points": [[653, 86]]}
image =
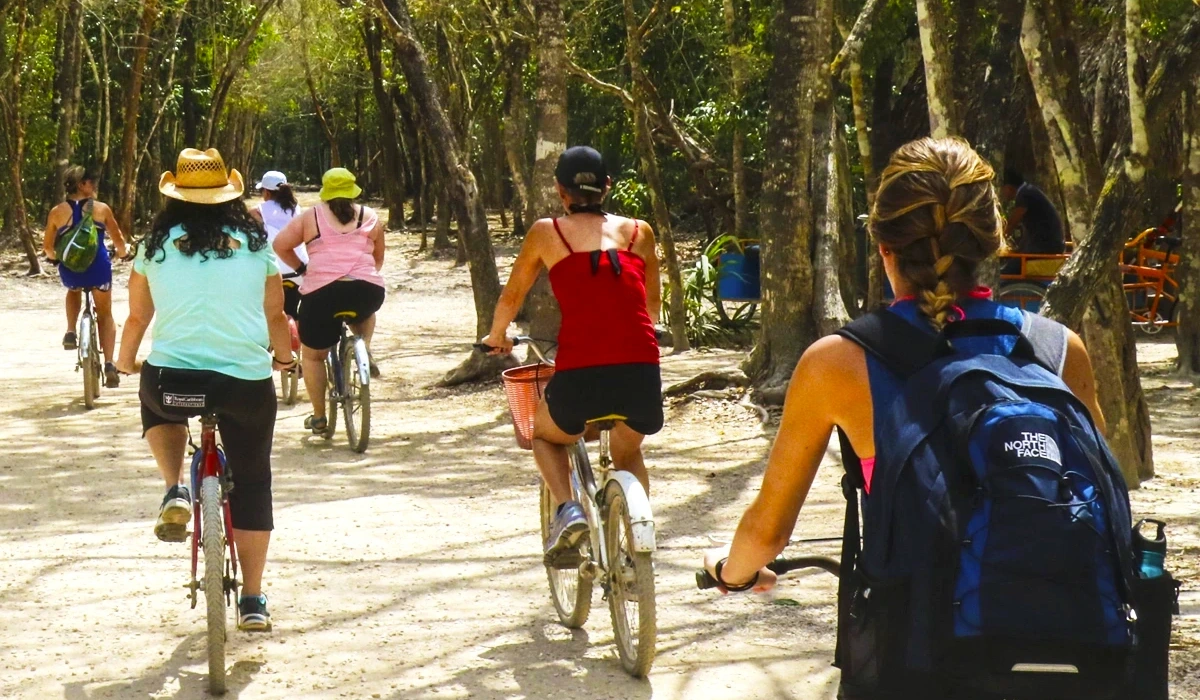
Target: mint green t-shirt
{"points": [[208, 314]]}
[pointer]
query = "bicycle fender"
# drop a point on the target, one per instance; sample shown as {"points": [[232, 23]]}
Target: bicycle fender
{"points": [[640, 515], [364, 362]]}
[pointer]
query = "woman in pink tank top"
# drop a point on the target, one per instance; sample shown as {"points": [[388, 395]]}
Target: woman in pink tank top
{"points": [[345, 252]]}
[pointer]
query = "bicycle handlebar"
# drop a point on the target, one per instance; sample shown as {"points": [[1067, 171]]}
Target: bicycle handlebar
{"points": [[705, 580], [533, 343]]}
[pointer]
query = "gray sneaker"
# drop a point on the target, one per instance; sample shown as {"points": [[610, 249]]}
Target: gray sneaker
{"points": [[174, 515], [569, 529]]}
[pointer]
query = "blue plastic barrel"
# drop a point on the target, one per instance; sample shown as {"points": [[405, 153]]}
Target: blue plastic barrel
{"points": [[738, 275]]}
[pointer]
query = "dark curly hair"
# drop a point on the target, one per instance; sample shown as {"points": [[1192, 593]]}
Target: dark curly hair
{"points": [[205, 225]]}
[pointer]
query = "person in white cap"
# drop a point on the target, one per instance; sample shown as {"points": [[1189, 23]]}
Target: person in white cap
{"points": [[277, 209]]}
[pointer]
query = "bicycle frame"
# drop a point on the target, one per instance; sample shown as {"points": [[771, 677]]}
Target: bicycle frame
{"points": [[209, 461]]}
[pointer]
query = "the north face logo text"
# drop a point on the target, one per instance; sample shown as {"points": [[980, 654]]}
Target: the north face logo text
{"points": [[1039, 445]]}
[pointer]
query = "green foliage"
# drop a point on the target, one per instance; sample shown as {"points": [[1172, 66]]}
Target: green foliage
{"points": [[706, 324], [631, 196]]}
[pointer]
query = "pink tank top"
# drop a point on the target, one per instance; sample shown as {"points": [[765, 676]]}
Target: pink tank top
{"points": [[333, 255]]}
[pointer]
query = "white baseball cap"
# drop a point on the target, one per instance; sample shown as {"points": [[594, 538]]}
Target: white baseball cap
{"points": [[271, 180]]}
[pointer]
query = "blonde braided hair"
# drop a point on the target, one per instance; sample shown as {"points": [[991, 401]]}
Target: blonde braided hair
{"points": [[936, 210]]}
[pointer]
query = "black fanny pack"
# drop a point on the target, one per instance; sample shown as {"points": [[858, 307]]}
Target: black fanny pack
{"points": [[188, 392]]}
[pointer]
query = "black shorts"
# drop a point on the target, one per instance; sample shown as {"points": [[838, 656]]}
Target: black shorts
{"points": [[246, 412], [575, 396], [320, 328], [291, 298]]}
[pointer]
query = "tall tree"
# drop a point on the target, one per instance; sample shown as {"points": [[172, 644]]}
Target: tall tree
{"points": [[454, 167], [787, 274], [234, 63], [1187, 337], [934, 28], [636, 31], [66, 92], [390, 139], [133, 97], [11, 68], [737, 86]]}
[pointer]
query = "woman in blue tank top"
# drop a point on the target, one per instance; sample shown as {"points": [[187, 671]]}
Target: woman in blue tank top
{"points": [[936, 219]]}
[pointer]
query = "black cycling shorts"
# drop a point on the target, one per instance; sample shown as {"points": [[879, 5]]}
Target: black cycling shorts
{"points": [[291, 298], [575, 396], [246, 412], [320, 328]]}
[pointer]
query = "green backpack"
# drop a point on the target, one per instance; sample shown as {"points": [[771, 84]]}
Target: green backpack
{"points": [[76, 245]]}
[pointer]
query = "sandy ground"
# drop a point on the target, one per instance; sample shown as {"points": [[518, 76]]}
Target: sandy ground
{"points": [[414, 570]]}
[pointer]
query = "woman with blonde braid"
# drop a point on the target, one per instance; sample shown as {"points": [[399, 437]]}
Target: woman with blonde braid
{"points": [[935, 220]]}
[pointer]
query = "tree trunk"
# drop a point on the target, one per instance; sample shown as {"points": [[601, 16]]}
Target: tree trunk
{"points": [[874, 262], [233, 66], [441, 233], [644, 145], [328, 126], [1139, 144], [516, 132], [456, 178], [737, 69], [541, 307], [829, 308], [133, 95], [934, 29], [189, 108], [787, 275], [66, 93], [1187, 336], [393, 177]]}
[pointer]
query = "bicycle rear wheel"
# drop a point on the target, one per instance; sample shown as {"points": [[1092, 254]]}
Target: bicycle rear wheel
{"points": [[356, 398], [631, 587], [90, 359], [288, 386], [570, 591], [213, 540]]}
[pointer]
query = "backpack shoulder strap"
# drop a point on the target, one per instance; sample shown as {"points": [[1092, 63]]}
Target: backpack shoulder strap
{"points": [[1049, 340], [898, 344]]}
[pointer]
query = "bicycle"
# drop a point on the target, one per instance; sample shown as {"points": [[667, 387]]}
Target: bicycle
{"points": [[87, 331], [212, 531], [705, 580], [621, 540], [348, 377]]}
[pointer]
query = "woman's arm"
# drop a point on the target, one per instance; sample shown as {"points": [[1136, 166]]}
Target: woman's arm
{"points": [[290, 238], [256, 214], [799, 447], [114, 230], [524, 273], [141, 312], [48, 236], [277, 325], [646, 247], [378, 252], [1077, 375]]}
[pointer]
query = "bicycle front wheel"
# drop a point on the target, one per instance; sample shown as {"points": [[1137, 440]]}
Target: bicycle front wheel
{"points": [[570, 591], [90, 359], [356, 399], [213, 540], [631, 587], [332, 397], [288, 386]]}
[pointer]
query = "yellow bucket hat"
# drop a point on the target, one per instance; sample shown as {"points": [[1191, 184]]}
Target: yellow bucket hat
{"points": [[200, 177], [339, 183]]}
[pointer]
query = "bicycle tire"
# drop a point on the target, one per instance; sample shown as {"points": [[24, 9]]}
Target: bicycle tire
{"points": [[630, 580], [90, 360], [332, 402], [213, 540], [288, 386], [356, 400], [570, 590], [1025, 293]]}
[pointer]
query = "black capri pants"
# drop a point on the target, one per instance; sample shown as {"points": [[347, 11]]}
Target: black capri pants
{"points": [[246, 423], [320, 326]]}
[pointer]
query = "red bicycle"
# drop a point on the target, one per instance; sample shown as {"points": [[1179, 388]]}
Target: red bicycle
{"points": [[213, 531]]}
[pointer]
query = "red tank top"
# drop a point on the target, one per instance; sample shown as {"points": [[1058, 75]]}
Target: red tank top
{"points": [[602, 295]]}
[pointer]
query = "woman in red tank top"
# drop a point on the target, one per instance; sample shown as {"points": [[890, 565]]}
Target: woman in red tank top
{"points": [[604, 273]]}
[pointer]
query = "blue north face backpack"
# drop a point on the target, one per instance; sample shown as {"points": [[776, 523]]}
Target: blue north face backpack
{"points": [[996, 557]]}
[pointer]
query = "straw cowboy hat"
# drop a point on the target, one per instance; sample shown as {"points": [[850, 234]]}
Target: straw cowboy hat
{"points": [[200, 177]]}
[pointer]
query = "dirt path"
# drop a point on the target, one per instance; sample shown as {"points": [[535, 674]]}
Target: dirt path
{"points": [[413, 571]]}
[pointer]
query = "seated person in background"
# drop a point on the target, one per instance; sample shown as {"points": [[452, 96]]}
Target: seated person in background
{"points": [[1034, 213]]}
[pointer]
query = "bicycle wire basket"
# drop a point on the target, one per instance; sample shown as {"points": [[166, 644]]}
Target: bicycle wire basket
{"points": [[524, 387]]}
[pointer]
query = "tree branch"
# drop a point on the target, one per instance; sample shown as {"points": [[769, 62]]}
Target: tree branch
{"points": [[652, 19], [588, 77], [858, 34]]}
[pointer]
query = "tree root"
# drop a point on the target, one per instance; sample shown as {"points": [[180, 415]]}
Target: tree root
{"points": [[477, 367], [714, 379]]}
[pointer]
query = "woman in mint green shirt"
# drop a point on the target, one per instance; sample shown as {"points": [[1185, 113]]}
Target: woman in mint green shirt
{"points": [[207, 277]]}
